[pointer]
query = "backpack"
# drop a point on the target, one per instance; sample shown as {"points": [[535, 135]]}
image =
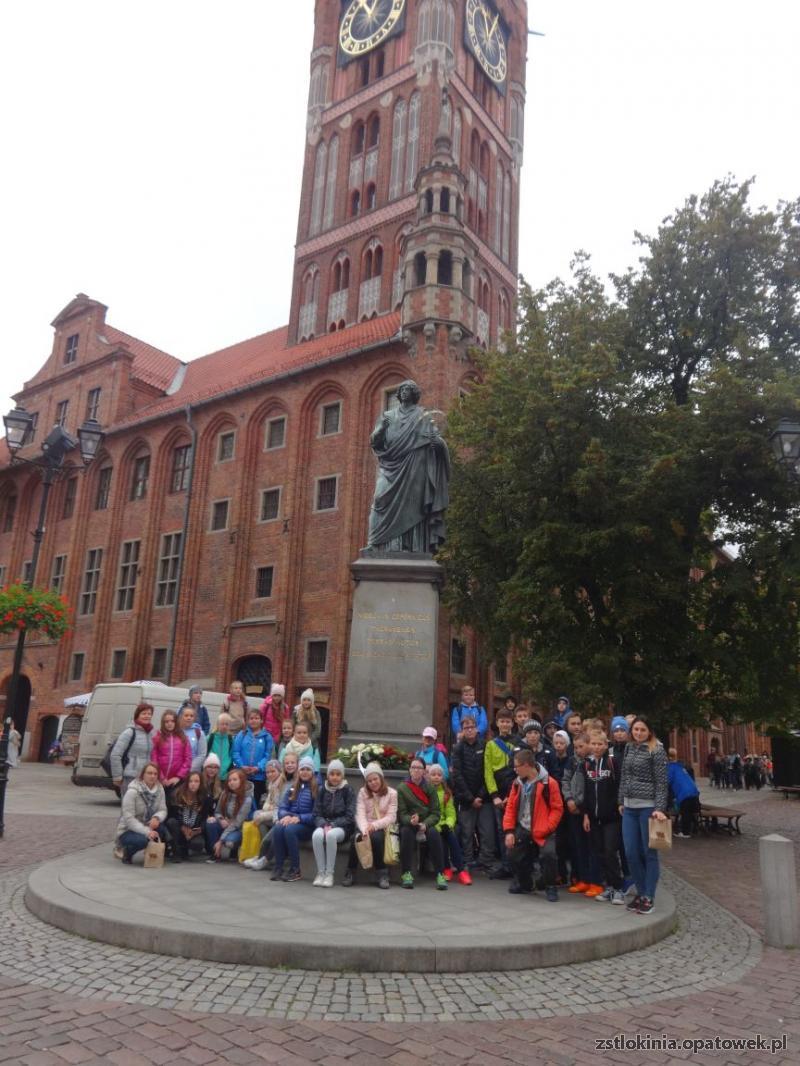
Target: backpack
{"points": [[105, 762]]}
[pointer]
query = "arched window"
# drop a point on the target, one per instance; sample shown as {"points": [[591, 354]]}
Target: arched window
{"points": [[318, 193], [373, 261], [308, 310], [380, 64], [338, 298], [363, 72], [398, 148], [428, 202], [330, 183], [420, 268], [374, 127], [412, 150], [445, 268], [372, 196], [355, 203], [436, 24], [444, 201], [359, 136], [466, 278]]}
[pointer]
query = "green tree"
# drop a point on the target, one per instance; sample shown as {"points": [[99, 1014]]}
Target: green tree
{"points": [[610, 453]]}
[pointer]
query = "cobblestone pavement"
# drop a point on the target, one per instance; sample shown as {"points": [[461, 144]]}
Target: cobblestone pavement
{"points": [[64, 999]]}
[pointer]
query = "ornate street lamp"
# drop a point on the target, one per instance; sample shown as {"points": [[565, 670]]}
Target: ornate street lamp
{"points": [[55, 447], [785, 441]]}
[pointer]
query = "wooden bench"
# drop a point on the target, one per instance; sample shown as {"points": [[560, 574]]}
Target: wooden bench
{"points": [[787, 790], [710, 818]]}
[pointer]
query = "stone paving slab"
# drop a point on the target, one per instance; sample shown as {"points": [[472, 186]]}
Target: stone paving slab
{"points": [[176, 910]]}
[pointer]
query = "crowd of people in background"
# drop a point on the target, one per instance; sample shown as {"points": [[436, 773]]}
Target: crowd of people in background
{"points": [[735, 772], [565, 805]]}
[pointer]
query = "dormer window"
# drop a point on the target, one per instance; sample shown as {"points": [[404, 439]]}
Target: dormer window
{"points": [[71, 349]]}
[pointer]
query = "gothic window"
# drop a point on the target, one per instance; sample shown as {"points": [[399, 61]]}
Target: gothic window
{"points": [[444, 201], [373, 261], [428, 202], [363, 72], [308, 309], [318, 93], [337, 301], [436, 24], [420, 268], [141, 475], [372, 196], [466, 278], [359, 136], [412, 150], [330, 182], [445, 268], [380, 64], [398, 148], [355, 203], [341, 274], [318, 193], [374, 131]]}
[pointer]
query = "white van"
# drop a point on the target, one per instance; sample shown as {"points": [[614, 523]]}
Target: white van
{"points": [[111, 708]]}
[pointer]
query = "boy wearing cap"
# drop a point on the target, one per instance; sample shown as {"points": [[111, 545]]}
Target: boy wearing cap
{"points": [[430, 752], [530, 822], [473, 709], [532, 738], [620, 735]]}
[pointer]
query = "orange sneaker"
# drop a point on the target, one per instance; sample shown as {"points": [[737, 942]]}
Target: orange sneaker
{"points": [[448, 874], [463, 878], [579, 886], [593, 890]]}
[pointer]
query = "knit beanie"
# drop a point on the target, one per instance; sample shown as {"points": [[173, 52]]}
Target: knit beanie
{"points": [[619, 723], [336, 764], [373, 768], [562, 734], [531, 725], [308, 695], [211, 760], [277, 690], [306, 763]]}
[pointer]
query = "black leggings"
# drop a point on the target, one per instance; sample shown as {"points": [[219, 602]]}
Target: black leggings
{"points": [[376, 839], [408, 839]]}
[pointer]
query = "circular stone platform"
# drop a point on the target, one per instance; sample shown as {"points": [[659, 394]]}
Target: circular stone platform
{"points": [[224, 913]]}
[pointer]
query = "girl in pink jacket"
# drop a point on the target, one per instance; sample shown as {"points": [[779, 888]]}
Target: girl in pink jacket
{"points": [[171, 752], [376, 811]]}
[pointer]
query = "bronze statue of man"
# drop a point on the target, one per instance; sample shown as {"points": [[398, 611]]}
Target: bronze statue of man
{"points": [[411, 491]]}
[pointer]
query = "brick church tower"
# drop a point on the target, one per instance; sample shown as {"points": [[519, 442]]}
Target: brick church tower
{"points": [[410, 195]]}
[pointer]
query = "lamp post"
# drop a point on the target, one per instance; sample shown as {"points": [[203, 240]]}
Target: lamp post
{"points": [[785, 441], [55, 448]]}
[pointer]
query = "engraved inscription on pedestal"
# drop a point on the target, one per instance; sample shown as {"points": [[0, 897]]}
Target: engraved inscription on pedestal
{"points": [[392, 664]]}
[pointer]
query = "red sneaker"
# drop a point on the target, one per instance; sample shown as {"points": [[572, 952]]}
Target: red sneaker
{"points": [[448, 874], [463, 878]]}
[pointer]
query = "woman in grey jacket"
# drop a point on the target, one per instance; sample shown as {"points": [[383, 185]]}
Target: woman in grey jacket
{"points": [[643, 795], [144, 812], [132, 748]]}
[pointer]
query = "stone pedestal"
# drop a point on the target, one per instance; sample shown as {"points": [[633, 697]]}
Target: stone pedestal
{"points": [[391, 672], [779, 889]]}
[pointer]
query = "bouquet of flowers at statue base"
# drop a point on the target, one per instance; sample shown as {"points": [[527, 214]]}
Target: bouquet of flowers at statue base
{"points": [[388, 757]]}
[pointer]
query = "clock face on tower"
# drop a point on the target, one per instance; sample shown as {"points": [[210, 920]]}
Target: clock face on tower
{"points": [[367, 23], [486, 39]]}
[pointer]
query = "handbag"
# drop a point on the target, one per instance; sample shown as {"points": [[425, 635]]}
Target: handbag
{"points": [[660, 834], [251, 842], [391, 846], [363, 846], [154, 855]]}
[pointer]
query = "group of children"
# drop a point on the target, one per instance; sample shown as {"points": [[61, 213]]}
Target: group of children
{"points": [[566, 797]]}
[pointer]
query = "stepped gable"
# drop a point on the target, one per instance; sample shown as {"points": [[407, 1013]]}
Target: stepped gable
{"points": [[264, 357]]}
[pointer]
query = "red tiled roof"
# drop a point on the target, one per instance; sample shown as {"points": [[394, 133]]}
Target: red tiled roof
{"points": [[261, 358], [150, 364]]}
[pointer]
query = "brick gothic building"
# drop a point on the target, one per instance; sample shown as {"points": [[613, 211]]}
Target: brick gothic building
{"points": [[212, 537]]}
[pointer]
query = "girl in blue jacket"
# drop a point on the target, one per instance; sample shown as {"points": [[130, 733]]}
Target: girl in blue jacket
{"points": [[295, 822], [252, 750]]}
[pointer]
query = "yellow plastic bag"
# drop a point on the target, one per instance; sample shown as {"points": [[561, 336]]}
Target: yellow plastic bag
{"points": [[251, 842]]}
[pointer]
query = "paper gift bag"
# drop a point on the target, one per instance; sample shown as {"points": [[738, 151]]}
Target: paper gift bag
{"points": [[364, 851], [153, 855], [660, 834], [391, 846]]}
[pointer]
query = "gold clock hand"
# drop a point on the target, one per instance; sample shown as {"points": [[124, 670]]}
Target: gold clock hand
{"points": [[494, 26]]}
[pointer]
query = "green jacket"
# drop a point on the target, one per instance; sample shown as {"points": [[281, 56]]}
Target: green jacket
{"points": [[221, 744], [494, 759], [447, 808], [408, 804]]}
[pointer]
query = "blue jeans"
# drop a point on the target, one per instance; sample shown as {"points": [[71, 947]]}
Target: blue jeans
{"points": [[642, 859], [453, 854], [213, 831], [132, 842], [287, 838]]}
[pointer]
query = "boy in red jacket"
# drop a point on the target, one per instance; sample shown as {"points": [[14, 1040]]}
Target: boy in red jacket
{"points": [[530, 821]]}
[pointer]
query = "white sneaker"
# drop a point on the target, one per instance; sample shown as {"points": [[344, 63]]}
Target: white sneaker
{"points": [[318, 881], [256, 864], [618, 898], [606, 895], [327, 881]]}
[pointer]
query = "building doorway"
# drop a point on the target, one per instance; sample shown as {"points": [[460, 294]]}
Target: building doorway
{"points": [[23, 702], [48, 735], [255, 673]]}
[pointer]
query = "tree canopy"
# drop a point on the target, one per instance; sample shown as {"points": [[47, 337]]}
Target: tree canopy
{"points": [[617, 515]]}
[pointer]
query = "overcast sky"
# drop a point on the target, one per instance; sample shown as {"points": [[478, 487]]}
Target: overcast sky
{"points": [[152, 151]]}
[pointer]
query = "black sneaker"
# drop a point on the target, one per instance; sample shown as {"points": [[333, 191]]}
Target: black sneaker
{"points": [[634, 904], [645, 905], [277, 874], [348, 879], [292, 875]]}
